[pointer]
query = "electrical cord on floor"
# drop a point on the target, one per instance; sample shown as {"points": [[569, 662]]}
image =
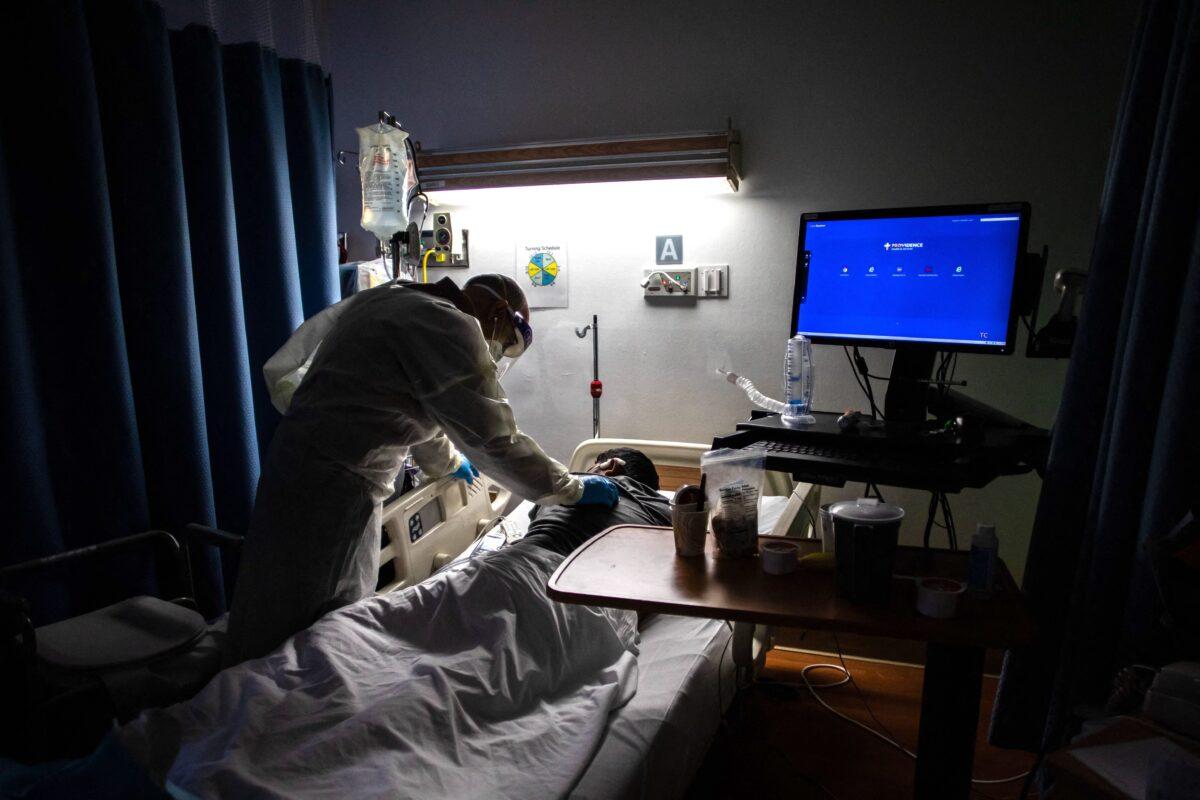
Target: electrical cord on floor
{"points": [[886, 738], [771, 746], [1032, 775], [861, 697]]}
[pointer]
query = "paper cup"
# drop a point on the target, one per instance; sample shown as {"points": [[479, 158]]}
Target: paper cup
{"points": [[690, 527], [779, 558], [938, 597]]}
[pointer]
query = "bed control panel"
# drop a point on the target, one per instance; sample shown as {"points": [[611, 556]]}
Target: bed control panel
{"points": [[428, 527], [426, 518]]}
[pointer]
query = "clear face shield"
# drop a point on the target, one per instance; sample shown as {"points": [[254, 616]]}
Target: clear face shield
{"points": [[503, 365], [506, 355]]}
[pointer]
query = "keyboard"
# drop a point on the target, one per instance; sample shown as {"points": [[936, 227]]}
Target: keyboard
{"points": [[853, 456], [835, 465]]}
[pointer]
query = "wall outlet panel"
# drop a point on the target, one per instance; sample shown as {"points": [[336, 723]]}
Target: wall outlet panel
{"points": [[452, 259], [712, 281], [661, 287]]}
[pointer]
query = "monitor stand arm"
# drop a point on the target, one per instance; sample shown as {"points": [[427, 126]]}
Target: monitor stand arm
{"points": [[912, 370]]}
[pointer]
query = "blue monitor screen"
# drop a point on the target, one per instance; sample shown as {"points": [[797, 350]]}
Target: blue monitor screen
{"points": [[942, 279]]}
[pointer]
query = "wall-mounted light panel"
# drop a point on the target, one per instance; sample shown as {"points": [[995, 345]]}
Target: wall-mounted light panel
{"points": [[712, 155]]}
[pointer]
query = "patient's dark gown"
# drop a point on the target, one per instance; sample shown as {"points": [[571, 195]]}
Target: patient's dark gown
{"points": [[561, 529]]}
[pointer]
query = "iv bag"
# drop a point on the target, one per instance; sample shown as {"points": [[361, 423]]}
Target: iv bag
{"points": [[386, 175]]}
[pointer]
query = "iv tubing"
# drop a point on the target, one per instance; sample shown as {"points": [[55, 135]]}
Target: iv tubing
{"points": [[756, 397], [424, 270], [669, 279]]}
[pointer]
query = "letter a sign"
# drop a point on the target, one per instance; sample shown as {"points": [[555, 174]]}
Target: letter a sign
{"points": [[668, 250]]}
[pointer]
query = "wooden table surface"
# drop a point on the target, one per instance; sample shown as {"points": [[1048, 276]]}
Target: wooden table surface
{"points": [[635, 567]]}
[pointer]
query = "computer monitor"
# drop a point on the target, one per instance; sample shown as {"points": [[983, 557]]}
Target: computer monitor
{"points": [[918, 280]]}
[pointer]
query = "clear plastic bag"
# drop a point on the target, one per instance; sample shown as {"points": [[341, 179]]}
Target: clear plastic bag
{"points": [[383, 169], [734, 482]]}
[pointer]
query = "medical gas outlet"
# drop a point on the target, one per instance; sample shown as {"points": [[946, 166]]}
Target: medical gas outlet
{"points": [[669, 283], [713, 281]]}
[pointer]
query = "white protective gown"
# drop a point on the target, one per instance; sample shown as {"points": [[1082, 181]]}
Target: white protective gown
{"points": [[394, 370]]}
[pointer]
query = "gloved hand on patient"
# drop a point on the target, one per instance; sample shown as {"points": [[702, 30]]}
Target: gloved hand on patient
{"points": [[466, 471], [597, 491]]}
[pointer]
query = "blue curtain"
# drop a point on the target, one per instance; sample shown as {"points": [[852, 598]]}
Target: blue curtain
{"points": [[153, 257], [1126, 447]]}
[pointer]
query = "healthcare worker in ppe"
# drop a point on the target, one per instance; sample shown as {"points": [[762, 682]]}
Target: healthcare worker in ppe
{"points": [[399, 369]]}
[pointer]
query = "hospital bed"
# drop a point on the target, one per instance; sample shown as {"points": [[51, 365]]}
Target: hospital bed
{"points": [[687, 667], [446, 520], [654, 743]]}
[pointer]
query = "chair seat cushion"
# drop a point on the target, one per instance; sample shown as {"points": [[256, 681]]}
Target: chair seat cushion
{"points": [[129, 632]]}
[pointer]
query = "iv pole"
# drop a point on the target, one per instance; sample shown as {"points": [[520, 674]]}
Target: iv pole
{"points": [[597, 388]]}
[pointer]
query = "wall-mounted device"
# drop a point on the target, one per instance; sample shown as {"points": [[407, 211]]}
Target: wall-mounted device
{"points": [[440, 240], [675, 283], [713, 281], [1056, 338], [443, 232]]}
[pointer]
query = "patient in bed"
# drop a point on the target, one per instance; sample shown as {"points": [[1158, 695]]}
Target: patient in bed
{"points": [[560, 529], [472, 684]]}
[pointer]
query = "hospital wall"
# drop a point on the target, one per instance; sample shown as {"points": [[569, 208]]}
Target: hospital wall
{"points": [[841, 105]]}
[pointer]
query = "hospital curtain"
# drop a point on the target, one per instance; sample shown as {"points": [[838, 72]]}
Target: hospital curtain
{"points": [[166, 221], [1125, 454]]}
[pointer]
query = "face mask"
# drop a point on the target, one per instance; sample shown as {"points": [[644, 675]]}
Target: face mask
{"points": [[524, 332]]}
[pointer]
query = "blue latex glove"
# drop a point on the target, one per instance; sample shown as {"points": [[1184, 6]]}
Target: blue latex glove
{"points": [[597, 491], [466, 471]]}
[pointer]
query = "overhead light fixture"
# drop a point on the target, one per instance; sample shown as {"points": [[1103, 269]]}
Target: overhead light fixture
{"points": [[636, 158]]}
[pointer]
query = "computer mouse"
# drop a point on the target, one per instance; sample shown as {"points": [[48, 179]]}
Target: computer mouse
{"points": [[850, 420]]}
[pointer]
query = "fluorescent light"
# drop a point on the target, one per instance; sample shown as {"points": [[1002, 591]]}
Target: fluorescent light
{"points": [[572, 194], [693, 156]]}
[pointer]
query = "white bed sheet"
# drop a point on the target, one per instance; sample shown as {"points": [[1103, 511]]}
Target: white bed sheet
{"points": [[472, 684], [235, 737], [655, 743]]}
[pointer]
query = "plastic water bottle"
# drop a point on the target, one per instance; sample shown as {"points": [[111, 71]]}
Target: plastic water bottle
{"points": [[798, 382], [981, 568]]}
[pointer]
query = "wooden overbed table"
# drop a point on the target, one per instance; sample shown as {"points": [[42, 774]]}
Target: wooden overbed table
{"points": [[635, 567]]}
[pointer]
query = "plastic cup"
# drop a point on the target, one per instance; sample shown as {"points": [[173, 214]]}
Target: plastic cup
{"points": [[690, 525]]}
